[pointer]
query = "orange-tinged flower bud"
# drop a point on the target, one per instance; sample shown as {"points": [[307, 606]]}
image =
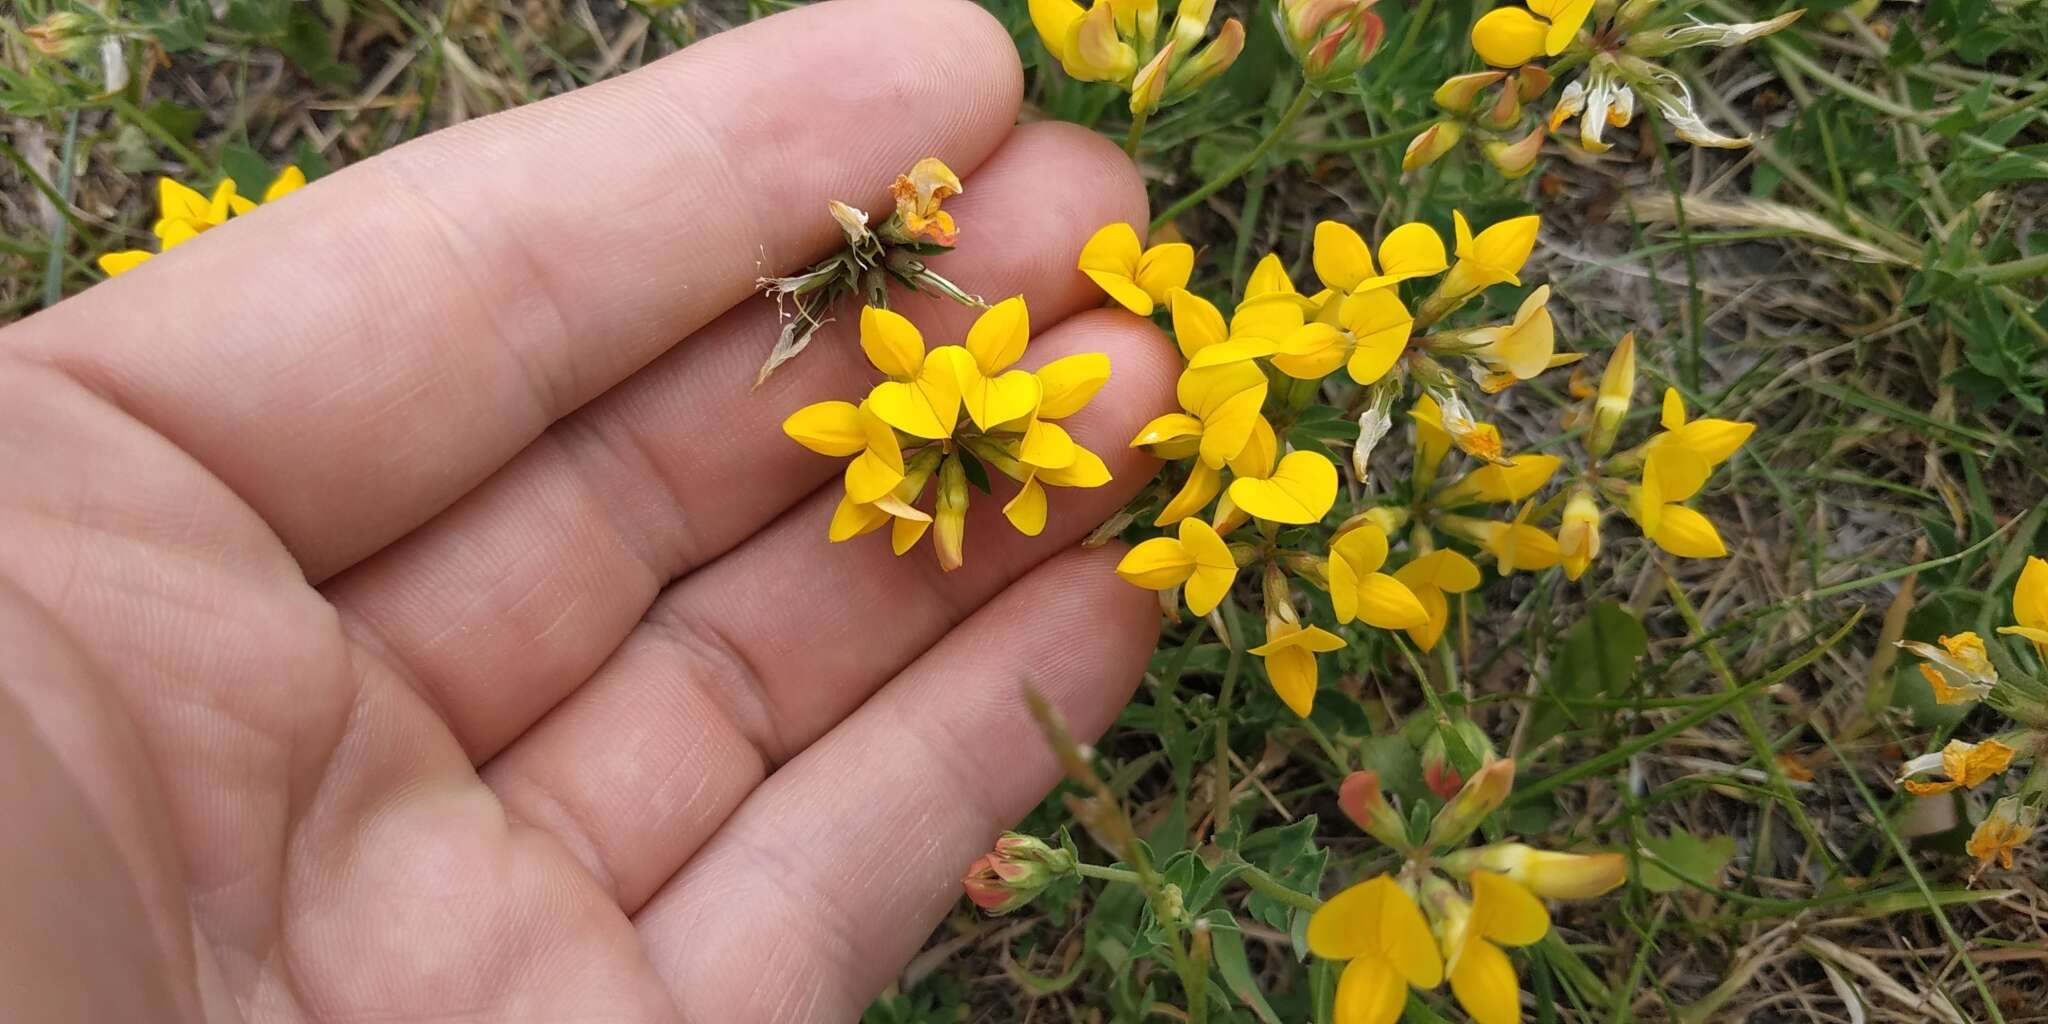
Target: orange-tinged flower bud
{"points": [[1617, 383], [1481, 795], [63, 35], [1149, 88], [1013, 875], [1578, 537], [1443, 778], [1532, 80], [1517, 158], [1430, 146], [1503, 112], [949, 524], [1553, 876], [1330, 39], [1208, 62], [1460, 93], [1362, 801]]}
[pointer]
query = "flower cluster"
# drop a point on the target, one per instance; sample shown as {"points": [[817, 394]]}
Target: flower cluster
{"points": [[1606, 50], [945, 415], [1962, 669], [183, 213], [1122, 41], [1330, 39], [1250, 375], [1015, 872], [1419, 926], [920, 227]]}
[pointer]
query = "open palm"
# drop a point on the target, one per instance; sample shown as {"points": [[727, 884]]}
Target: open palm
{"points": [[408, 613]]}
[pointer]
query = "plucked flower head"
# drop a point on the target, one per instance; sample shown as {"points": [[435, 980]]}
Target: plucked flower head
{"points": [[1961, 763], [919, 196], [2003, 831], [935, 411], [1959, 670]]}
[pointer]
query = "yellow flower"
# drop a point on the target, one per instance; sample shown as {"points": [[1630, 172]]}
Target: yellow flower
{"points": [[1221, 406], [1578, 536], [1300, 489], [1198, 558], [1513, 545], [2030, 605], [1009, 425], [1085, 43], [1547, 874], [1345, 265], [918, 196], [1964, 764], [1501, 913], [1617, 385], [1510, 481], [1493, 256], [1139, 279], [2003, 831], [1359, 590], [1712, 440], [183, 214], [1429, 577], [1378, 928], [1671, 476], [1290, 655], [1524, 347], [1509, 37], [1432, 441]]}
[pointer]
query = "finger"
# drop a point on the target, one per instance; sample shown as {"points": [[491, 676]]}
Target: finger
{"points": [[743, 663], [837, 868], [357, 357], [513, 597]]}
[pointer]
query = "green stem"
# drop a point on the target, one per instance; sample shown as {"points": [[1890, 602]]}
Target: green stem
{"points": [[1272, 888], [1230, 674], [1136, 133], [2011, 270], [53, 268], [1108, 874], [1247, 162]]}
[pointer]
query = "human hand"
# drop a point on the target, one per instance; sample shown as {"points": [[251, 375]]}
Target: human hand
{"points": [[410, 614]]}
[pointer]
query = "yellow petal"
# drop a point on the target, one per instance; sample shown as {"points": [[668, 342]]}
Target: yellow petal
{"points": [[1714, 440], [1362, 550], [1164, 268], [1505, 912], [1672, 415], [1087, 470], [1340, 256], [999, 335], [907, 408], [118, 263], [1385, 603], [1566, 17], [176, 233], [1301, 490], [1438, 611], [1483, 980], [1349, 925], [1124, 290], [1197, 323], [1227, 429], [828, 428], [1201, 390], [1443, 570], [1026, 511], [288, 181], [1066, 385], [1114, 249], [1201, 488], [1047, 446], [1260, 453], [2030, 597], [224, 202], [892, 343], [1523, 476], [1409, 251], [1292, 671], [994, 401], [1053, 19], [1311, 352], [869, 476], [1237, 351], [1688, 534], [1674, 472], [177, 201], [1525, 349], [1171, 427], [1157, 564], [1508, 37], [1504, 247], [1370, 992], [1269, 277], [1380, 323], [852, 519]]}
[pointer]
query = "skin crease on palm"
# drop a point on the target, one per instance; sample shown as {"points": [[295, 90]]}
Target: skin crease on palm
{"points": [[409, 614]]}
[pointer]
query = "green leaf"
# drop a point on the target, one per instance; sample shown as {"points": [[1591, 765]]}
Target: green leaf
{"points": [[1598, 660], [1701, 860], [1227, 945]]}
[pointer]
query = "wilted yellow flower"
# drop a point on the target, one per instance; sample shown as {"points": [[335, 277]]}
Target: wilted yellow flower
{"points": [[1964, 764], [2009, 825], [1502, 913], [183, 214], [919, 195], [2030, 605], [1378, 928], [1617, 386], [1198, 557], [1359, 590], [1139, 279], [1959, 670], [1429, 577]]}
